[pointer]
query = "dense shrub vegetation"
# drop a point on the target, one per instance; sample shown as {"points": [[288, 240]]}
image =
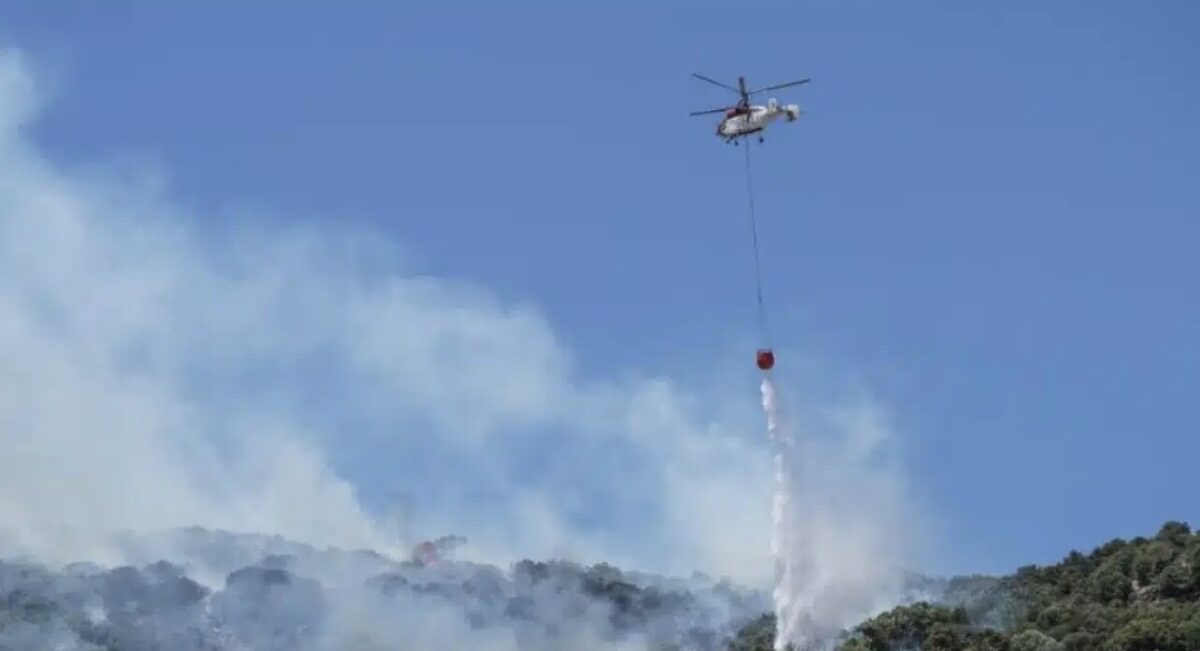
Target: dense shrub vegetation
{"points": [[1136, 595], [264, 593]]}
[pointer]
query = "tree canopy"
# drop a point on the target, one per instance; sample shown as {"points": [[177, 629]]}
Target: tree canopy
{"points": [[1137, 595]]}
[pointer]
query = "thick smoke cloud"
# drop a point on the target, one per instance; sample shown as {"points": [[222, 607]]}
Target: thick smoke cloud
{"points": [[166, 369], [300, 598]]}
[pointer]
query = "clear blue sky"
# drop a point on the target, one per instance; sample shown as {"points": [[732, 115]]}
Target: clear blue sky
{"points": [[991, 213]]}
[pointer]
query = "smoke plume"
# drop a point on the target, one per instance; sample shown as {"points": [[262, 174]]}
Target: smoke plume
{"points": [[164, 370], [838, 526]]}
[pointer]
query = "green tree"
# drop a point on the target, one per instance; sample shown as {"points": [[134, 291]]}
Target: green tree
{"points": [[1175, 533], [1152, 559], [758, 635], [1161, 627], [1034, 640], [1082, 641], [1112, 582], [987, 640]]}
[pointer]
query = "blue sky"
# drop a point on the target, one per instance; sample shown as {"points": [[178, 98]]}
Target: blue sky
{"points": [[989, 215]]}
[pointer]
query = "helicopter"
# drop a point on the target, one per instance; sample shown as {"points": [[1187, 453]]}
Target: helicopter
{"points": [[742, 119]]}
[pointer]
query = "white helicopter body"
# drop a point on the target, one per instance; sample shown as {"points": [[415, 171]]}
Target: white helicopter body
{"points": [[744, 119], [744, 122]]}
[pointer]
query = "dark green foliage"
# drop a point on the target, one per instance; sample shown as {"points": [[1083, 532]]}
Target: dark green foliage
{"points": [[1081, 641], [1176, 533], [1110, 582], [987, 640], [1137, 595], [1168, 626], [1152, 559], [758, 635], [1033, 640], [925, 626], [910, 625], [943, 637], [1177, 580]]}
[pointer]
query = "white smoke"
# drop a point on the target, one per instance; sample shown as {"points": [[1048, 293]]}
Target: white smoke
{"points": [[161, 370], [840, 534], [165, 370]]}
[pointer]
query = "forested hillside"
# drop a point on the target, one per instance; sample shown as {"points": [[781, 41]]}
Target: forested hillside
{"points": [[1126, 595], [221, 592], [217, 591]]}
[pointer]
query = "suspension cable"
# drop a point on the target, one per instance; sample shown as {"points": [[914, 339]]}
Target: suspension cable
{"points": [[762, 309]]}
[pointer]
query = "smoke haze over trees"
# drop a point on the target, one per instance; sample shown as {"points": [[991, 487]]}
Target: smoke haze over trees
{"points": [[222, 592], [294, 596]]}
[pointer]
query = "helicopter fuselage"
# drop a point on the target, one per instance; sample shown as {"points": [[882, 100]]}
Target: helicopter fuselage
{"points": [[744, 121]]}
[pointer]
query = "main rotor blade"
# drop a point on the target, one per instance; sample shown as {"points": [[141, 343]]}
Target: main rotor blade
{"points": [[778, 86], [717, 83], [720, 110]]}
